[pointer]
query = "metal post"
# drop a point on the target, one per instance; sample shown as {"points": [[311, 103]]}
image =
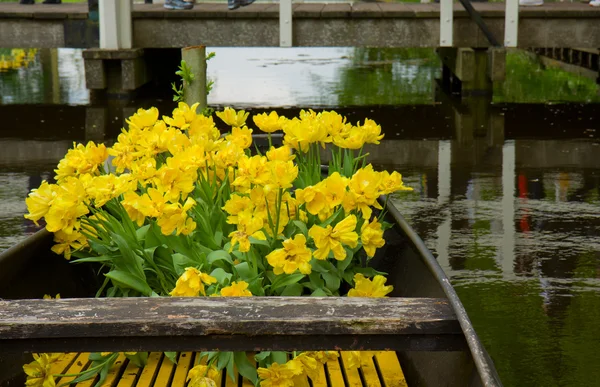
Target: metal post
{"points": [[511, 23], [285, 23], [115, 24], [508, 208], [446, 23]]}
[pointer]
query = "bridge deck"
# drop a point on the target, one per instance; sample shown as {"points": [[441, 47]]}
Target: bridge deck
{"points": [[339, 24]]}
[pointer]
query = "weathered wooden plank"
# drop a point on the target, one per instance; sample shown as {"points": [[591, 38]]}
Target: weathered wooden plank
{"points": [[171, 317]]}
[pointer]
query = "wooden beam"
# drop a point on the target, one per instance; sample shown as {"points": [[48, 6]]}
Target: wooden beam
{"points": [[185, 324]]}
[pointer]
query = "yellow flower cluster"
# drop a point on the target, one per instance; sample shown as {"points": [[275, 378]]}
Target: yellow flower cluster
{"points": [[16, 59], [174, 193], [290, 373]]}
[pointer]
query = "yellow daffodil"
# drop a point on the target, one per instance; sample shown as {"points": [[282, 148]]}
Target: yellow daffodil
{"points": [[372, 132], [392, 183], [364, 191], [235, 205], [143, 119], [233, 118], [66, 244], [40, 200], [241, 136], [335, 189], [293, 256], [323, 356], [364, 287], [49, 297], [236, 289], [313, 197], [333, 238], [191, 283], [174, 218], [283, 173], [39, 371], [269, 123], [283, 153], [276, 375], [203, 376], [203, 127], [81, 160], [247, 226], [371, 237], [67, 207]]}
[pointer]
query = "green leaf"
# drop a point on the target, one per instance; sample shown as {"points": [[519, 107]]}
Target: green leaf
{"points": [[180, 262], [141, 233], [102, 258], [245, 368], [219, 255], [285, 280], [342, 265], [223, 277], [262, 356], [231, 367], [319, 293], [172, 356], [293, 290], [128, 280], [223, 359], [332, 281], [302, 227], [255, 241], [140, 359], [244, 272], [279, 357], [316, 280]]}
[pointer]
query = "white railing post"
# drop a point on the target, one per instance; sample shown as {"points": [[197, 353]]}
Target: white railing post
{"points": [[446, 23], [285, 23], [511, 23], [115, 24]]}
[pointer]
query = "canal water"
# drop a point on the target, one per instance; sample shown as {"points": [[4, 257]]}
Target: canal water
{"points": [[506, 193]]}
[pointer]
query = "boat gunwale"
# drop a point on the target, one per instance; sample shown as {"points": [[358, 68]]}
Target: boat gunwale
{"points": [[484, 364]]}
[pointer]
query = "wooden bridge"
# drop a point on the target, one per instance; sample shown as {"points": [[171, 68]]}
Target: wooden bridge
{"points": [[306, 24]]}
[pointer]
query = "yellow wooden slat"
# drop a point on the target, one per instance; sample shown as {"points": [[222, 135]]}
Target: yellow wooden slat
{"points": [[322, 379], [111, 378], [64, 362], [390, 369], [129, 376], [150, 372], [352, 375], [334, 371], [369, 371], [184, 363], [77, 366], [165, 373]]}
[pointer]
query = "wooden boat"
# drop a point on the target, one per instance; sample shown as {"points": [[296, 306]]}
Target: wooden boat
{"points": [[424, 322]]}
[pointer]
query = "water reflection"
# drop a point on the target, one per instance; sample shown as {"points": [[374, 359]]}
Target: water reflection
{"points": [[518, 237], [53, 76], [330, 76]]}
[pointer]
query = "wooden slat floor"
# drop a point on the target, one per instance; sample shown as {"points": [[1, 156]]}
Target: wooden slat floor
{"points": [[382, 371]]}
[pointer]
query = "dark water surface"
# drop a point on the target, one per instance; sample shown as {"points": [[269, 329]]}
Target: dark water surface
{"points": [[506, 195]]}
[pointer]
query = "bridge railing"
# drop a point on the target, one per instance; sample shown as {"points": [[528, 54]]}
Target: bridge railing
{"points": [[116, 28]]}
